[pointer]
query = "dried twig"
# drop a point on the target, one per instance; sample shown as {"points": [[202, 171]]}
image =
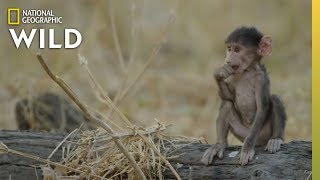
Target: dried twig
{"points": [[122, 93], [103, 95], [86, 112], [116, 40], [133, 33], [145, 132], [59, 145]]}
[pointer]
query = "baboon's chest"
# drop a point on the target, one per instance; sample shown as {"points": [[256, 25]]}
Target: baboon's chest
{"points": [[245, 101]]}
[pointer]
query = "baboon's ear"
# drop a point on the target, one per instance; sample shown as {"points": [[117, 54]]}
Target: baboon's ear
{"points": [[265, 46]]}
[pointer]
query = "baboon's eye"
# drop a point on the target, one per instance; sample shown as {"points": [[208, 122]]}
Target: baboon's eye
{"points": [[229, 48], [236, 49]]}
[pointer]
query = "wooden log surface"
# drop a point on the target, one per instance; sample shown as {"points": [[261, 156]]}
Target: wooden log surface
{"points": [[293, 161]]}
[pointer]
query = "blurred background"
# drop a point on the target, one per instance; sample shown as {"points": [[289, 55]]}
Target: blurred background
{"points": [[178, 86]]}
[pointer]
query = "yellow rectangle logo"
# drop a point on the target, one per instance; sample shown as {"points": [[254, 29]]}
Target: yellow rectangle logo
{"points": [[11, 12]]}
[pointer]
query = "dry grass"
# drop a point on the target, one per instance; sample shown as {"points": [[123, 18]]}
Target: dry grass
{"points": [[96, 153]]}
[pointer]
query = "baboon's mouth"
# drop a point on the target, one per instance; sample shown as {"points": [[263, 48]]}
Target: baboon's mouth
{"points": [[235, 67]]}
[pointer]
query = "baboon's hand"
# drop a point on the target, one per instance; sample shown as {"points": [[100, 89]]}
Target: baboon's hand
{"points": [[247, 153], [215, 150], [223, 72], [274, 145]]}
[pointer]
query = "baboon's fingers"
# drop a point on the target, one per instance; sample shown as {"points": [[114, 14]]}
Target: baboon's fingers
{"points": [[251, 154], [207, 152], [278, 145], [244, 159], [220, 154], [214, 152], [271, 145], [228, 69], [274, 145], [225, 74], [206, 156], [221, 74], [267, 146], [210, 153]]}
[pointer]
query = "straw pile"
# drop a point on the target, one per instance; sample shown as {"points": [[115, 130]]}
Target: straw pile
{"points": [[95, 156]]}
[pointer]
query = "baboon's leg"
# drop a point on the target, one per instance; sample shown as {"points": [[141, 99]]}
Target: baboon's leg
{"points": [[278, 120], [222, 129], [239, 130]]}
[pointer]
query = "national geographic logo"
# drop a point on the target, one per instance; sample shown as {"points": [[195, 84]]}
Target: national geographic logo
{"points": [[17, 16], [13, 16], [32, 16]]}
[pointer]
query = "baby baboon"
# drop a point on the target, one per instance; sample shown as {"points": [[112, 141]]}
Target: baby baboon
{"points": [[248, 110]]}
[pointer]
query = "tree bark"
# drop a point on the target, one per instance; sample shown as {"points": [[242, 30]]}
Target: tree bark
{"points": [[293, 161]]}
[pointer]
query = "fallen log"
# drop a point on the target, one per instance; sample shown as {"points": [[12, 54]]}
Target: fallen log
{"points": [[292, 162]]}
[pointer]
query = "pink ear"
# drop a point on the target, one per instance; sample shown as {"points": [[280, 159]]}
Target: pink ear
{"points": [[265, 46]]}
